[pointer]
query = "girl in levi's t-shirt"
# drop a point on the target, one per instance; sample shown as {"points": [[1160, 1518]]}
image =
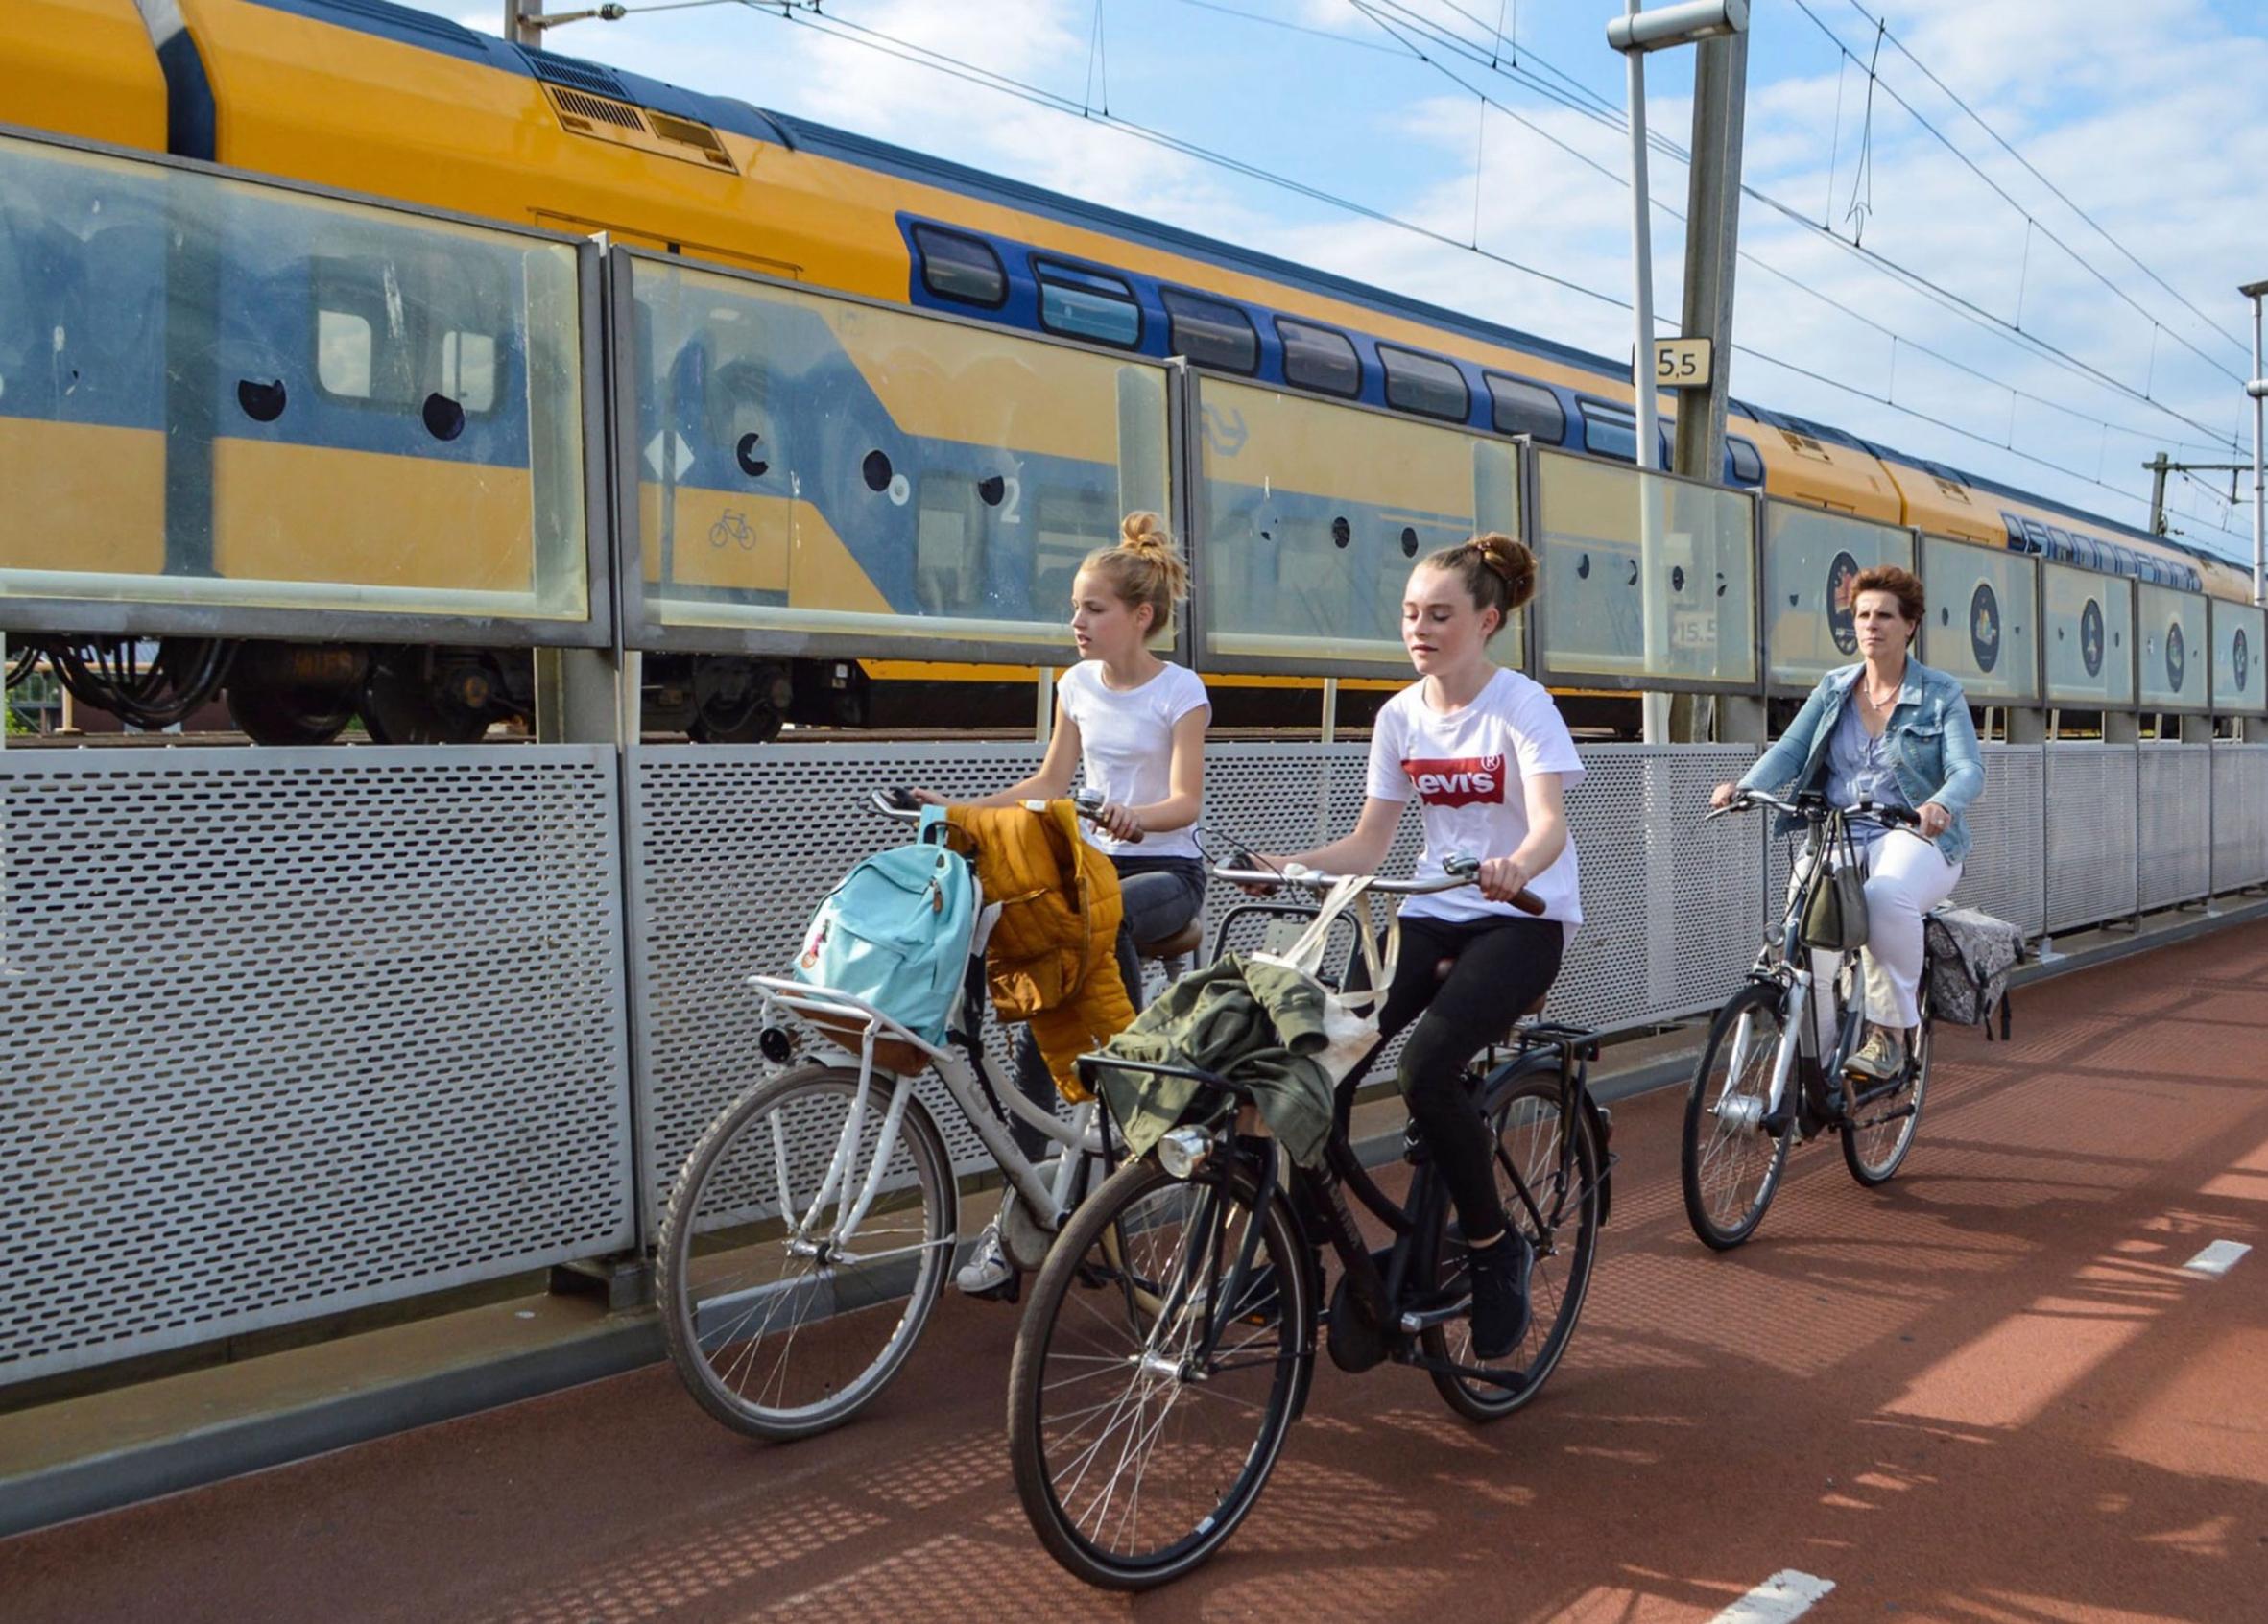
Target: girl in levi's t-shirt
{"points": [[1136, 724], [1483, 751]]}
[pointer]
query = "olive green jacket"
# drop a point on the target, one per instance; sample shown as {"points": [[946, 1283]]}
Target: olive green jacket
{"points": [[1258, 1024]]}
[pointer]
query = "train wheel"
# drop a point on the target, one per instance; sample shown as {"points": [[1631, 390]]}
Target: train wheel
{"points": [[293, 693], [411, 699], [738, 701]]}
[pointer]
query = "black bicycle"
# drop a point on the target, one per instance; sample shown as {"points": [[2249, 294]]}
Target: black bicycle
{"points": [[1171, 1336], [1766, 1081]]}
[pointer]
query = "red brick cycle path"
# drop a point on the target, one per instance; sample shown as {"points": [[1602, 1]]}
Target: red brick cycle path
{"points": [[1988, 1393]]}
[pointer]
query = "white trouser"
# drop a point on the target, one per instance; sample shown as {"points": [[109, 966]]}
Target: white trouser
{"points": [[1906, 876]]}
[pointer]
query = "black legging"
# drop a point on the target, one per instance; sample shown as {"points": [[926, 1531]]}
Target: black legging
{"points": [[1499, 965]]}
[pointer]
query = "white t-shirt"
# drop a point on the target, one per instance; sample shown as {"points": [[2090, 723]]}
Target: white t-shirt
{"points": [[1456, 765], [1127, 746]]}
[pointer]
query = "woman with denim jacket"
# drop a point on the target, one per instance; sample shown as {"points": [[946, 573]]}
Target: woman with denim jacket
{"points": [[1892, 731]]}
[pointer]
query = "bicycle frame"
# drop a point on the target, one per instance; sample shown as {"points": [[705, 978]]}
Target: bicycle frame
{"points": [[972, 1087], [1788, 965], [1320, 1213]]}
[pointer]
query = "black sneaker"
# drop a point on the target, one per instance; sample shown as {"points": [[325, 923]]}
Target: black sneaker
{"points": [[1500, 1294]]}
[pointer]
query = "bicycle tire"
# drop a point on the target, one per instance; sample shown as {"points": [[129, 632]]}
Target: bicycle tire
{"points": [[1094, 1291], [1721, 1149], [1561, 1280], [720, 1259], [1873, 1158]]}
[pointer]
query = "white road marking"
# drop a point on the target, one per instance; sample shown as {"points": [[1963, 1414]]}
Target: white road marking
{"points": [[1787, 1594], [2218, 1258]]}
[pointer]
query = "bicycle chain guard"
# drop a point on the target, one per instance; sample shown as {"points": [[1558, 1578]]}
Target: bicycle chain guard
{"points": [[1022, 1238]]}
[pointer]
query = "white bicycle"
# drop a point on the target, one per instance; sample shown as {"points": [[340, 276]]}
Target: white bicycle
{"points": [[804, 1246]]}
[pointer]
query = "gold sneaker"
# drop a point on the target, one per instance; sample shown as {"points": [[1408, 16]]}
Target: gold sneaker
{"points": [[1881, 1056]]}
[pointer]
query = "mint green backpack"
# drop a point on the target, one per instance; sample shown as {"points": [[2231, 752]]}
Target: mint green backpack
{"points": [[896, 933]]}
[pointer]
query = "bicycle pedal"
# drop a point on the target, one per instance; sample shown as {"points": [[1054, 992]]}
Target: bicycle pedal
{"points": [[1424, 1317]]}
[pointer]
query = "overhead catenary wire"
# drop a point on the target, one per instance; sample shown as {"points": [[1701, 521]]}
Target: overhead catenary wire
{"points": [[1976, 169], [2033, 169], [1371, 9], [922, 56], [1944, 297], [804, 13]]}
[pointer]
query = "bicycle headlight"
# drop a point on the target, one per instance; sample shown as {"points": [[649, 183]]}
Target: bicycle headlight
{"points": [[1182, 1151]]}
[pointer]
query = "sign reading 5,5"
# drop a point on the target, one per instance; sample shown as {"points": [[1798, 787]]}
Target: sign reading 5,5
{"points": [[1683, 362]]}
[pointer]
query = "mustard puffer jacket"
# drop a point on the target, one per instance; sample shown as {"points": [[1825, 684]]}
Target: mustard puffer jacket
{"points": [[1052, 959]]}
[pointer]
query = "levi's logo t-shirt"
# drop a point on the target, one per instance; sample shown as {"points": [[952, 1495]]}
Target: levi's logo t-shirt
{"points": [[1463, 782], [1466, 770]]}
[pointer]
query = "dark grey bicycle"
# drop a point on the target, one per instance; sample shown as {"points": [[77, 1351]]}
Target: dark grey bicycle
{"points": [[1765, 1084], [1171, 1337]]}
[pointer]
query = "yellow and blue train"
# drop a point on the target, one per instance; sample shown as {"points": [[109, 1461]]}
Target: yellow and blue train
{"points": [[219, 431]]}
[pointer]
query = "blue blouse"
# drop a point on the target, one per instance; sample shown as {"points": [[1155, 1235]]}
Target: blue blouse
{"points": [[1859, 767]]}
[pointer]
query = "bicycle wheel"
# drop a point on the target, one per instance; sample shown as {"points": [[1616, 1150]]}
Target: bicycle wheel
{"points": [[1876, 1145], [779, 1327], [1729, 1164], [1136, 1456], [1530, 1129]]}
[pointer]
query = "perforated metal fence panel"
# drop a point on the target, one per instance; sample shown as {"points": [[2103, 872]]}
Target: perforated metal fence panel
{"points": [[2003, 873], [2175, 849], [296, 1031], [737, 845], [2091, 833], [2240, 816], [1671, 907]]}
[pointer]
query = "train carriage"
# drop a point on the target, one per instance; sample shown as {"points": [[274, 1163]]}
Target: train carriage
{"points": [[879, 400]]}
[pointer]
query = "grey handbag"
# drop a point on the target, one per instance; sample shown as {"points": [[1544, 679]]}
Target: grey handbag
{"points": [[1835, 913]]}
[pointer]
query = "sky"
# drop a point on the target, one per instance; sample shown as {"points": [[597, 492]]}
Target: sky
{"points": [[2044, 353]]}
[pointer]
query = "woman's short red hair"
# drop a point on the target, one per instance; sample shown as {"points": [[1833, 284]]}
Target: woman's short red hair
{"points": [[1903, 585]]}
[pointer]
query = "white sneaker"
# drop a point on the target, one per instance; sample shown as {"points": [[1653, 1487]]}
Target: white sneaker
{"points": [[988, 1272], [1881, 1056]]}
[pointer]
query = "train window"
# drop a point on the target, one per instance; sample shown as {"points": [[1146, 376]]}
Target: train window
{"points": [[1748, 462], [468, 369], [1318, 358], [1425, 384], [1518, 407], [1609, 431], [1088, 305], [342, 354], [960, 268], [1210, 333]]}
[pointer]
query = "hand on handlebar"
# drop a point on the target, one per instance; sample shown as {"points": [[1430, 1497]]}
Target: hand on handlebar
{"points": [[1933, 818], [1118, 821], [1724, 794], [1249, 859], [1502, 879], [922, 796]]}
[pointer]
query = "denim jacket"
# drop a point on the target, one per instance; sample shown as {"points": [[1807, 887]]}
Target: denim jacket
{"points": [[1932, 745]]}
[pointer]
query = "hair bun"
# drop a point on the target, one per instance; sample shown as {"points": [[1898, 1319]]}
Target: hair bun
{"points": [[1146, 532], [1512, 562]]}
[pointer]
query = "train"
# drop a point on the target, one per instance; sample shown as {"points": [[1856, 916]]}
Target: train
{"points": [[326, 399]]}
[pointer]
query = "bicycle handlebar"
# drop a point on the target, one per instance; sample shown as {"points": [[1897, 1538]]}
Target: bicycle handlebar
{"points": [[900, 803], [1812, 808], [1455, 872]]}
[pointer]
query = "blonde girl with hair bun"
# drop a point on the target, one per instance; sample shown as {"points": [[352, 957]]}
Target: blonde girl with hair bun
{"points": [[1485, 753], [1136, 724]]}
